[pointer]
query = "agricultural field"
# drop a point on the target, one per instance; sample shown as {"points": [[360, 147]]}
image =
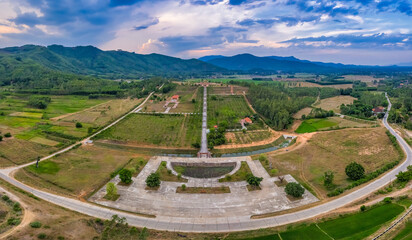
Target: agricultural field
{"points": [[229, 109], [101, 114], [334, 103], [227, 89], [33, 130], [247, 137], [309, 84], [156, 130], [304, 111], [319, 124], [332, 151], [186, 105], [70, 173]]}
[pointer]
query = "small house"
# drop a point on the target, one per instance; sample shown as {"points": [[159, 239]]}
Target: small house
{"points": [[248, 120], [175, 98], [378, 110]]}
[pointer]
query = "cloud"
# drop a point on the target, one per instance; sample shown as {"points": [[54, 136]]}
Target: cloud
{"points": [[147, 25], [375, 41]]}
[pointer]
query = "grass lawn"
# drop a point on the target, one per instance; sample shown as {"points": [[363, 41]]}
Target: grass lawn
{"points": [[161, 130], [333, 151], [167, 175], [230, 109], [80, 171], [314, 124], [240, 175], [305, 233]]}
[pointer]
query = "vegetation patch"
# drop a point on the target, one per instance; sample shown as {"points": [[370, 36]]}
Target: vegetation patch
{"points": [[203, 170], [203, 190], [314, 124], [240, 175]]}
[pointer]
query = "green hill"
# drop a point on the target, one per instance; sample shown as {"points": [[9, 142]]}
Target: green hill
{"points": [[37, 61]]}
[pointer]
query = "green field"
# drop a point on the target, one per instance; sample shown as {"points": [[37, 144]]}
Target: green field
{"points": [[161, 130], [230, 109], [353, 226], [33, 130], [314, 124], [405, 233]]}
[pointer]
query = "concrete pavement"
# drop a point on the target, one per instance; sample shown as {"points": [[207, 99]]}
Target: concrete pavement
{"points": [[229, 224]]}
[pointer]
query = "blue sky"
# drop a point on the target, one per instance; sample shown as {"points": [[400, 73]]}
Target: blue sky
{"points": [[347, 31]]}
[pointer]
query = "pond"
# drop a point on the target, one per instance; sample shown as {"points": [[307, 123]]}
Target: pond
{"points": [[203, 170]]}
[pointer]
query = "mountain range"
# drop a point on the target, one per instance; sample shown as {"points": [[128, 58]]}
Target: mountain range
{"points": [[30, 62], [250, 63]]}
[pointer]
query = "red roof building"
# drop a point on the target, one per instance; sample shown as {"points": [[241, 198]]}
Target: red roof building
{"points": [[248, 120], [176, 97], [378, 110]]}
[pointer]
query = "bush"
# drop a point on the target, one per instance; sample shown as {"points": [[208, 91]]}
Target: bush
{"points": [[404, 176], [363, 208], [355, 171], [328, 178], [263, 157], [7, 135], [183, 187], [16, 207], [79, 125], [253, 180], [5, 197], [111, 189], [13, 221], [39, 102], [42, 236], [1, 138], [387, 200], [153, 180], [126, 176], [294, 189], [35, 224]]}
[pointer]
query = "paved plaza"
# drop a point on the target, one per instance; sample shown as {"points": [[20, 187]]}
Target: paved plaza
{"points": [[240, 202]]}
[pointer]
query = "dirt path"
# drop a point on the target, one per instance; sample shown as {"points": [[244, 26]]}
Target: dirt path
{"points": [[28, 215], [69, 114]]}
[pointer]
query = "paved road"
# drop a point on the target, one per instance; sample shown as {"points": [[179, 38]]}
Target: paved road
{"points": [[204, 152], [240, 223]]}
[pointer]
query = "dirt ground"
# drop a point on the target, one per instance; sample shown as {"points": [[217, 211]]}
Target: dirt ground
{"points": [[334, 103]]}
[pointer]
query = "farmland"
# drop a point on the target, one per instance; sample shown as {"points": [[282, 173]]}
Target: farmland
{"points": [[70, 173], [248, 136], [333, 151], [33, 130], [229, 109], [165, 130], [225, 89]]}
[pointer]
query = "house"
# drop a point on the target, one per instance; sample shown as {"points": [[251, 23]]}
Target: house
{"points": [[175, 98], [378, 110], [248, 120], [215, 126]]}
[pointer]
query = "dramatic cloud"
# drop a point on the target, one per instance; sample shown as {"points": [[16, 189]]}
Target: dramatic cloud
{"points": [[350, 31]]}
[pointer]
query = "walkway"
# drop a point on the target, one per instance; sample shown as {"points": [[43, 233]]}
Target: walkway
{"points": [[204, 151], [229, 224]]}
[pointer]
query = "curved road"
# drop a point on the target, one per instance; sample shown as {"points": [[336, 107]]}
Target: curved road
{"points": [[240, 223]]}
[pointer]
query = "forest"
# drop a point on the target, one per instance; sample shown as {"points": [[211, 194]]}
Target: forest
{"points": [[277, 103], [401, 111], [362, 108]]}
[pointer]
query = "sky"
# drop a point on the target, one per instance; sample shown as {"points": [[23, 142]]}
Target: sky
{"points": [[368, 32]]}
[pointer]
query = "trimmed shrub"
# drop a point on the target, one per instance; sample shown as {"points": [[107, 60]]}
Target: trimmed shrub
{"points": [[294, 189], [126, 176], [153, 180], [7, 135]]}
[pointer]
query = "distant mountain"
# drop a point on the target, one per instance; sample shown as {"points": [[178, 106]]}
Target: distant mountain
{"points": [[91, 61], [250, 63], [406, 64]]}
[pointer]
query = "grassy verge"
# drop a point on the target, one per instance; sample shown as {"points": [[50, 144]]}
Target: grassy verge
{"points": [[203, 190], [240, 175]]}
